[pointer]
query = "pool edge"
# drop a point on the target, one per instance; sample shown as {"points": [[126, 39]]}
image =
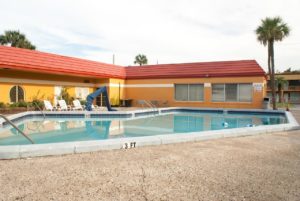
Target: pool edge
{"points": [[51, 149]]}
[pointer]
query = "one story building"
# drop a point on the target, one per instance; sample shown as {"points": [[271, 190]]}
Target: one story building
{"points": [[28, 74]]}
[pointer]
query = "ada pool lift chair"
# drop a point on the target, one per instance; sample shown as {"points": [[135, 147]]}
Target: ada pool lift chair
{"points": [[90, 98]]}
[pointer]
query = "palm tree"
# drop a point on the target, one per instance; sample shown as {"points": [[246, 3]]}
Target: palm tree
{"points": [[270, 31], [16, 39], [280, 83], [141, 59]]}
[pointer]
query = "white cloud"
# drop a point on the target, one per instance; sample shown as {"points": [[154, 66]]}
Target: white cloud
{"points": [[167, 31]]}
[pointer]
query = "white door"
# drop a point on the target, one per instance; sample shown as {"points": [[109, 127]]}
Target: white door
{"points": [[57, 92], [81, 92]]}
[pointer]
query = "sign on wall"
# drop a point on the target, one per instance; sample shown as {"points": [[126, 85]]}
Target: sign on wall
{"points": [[258, 87]]}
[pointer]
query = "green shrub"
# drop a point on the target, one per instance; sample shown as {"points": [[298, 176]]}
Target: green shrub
{"points": [[3, 105], [37, 104], [64, 94], [22, 104], [19, 104], [82, 102]]}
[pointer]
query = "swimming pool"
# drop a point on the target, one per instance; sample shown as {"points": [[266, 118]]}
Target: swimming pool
{"points": [[54, 130], [89, 131]]}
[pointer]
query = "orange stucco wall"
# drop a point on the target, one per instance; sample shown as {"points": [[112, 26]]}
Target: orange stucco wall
{"points": [[135, 90], [139, 89]]}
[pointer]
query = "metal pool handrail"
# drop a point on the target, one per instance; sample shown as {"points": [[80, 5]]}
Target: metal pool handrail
{"points": [[39, 109], [152, 106], [13, 125]]}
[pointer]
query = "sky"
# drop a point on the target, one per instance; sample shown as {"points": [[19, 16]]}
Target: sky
{"points": [[166, 31]]}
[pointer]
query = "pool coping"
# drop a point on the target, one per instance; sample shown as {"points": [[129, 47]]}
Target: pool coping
{"points": [[34, 150]]}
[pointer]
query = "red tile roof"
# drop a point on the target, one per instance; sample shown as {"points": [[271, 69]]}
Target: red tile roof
{"points": [[30, 60], [199, 69]]}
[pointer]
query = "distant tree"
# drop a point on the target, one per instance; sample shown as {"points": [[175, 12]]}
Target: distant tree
{"points": [[16, 39], [141, 59], [270, 31], [280, 83], [288, 70]]}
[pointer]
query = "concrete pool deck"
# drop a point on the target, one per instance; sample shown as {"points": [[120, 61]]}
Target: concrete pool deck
{"points": [[261, 167]]}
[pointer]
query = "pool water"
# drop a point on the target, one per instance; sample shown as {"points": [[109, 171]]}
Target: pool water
{"points": [[53, 130]]}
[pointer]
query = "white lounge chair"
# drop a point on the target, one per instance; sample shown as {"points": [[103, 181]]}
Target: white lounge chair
{"points": [[141, 102], [63, 105], [77, 105], [48, 106]]}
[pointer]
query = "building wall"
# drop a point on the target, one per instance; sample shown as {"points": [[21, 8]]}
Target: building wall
{"points": [[116, 90], [163, 90], [43, 86], [290, 92]]}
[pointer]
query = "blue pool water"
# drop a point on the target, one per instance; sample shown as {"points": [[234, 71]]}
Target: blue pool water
{"points": [[52, 130]]}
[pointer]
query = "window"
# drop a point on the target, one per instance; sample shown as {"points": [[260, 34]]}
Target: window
{"points": [[16, 94], [81, 92], [181, 92], [232, 92], [189, 92], [196, 92], [245, 92], [218, 92]]}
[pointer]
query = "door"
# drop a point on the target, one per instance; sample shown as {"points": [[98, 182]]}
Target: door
{"points": [[57, 92]]}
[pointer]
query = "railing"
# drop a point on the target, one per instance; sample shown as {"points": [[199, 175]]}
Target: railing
{"points": [[149, 104], [294, 88], [286, 88], [152, 106], [13, 125], [39, 109]]}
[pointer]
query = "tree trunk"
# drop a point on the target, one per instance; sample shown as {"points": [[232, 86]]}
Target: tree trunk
{"points": [[272, 77], [269, 60], [280, 93]]}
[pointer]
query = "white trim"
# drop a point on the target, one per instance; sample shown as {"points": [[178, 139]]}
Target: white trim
{"points": [[140, 85], [78, 84], [136, 85], [45, 82], [149, 85]]}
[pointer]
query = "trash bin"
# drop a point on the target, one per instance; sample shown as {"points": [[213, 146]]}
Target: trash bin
{"points": [[266, 103]]}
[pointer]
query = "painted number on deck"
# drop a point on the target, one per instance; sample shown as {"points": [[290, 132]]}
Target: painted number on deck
{"points": [[129, 145]]}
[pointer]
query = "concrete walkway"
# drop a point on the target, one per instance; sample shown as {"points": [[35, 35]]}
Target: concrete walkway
{"points": [[264, 167], [296, 113]]}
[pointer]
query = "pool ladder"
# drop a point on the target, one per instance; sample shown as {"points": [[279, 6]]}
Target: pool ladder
{"points": [[152, 106], [13, 125]]}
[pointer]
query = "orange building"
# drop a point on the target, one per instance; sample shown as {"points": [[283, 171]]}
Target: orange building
{"points": [[27, 75], [290, 89]]}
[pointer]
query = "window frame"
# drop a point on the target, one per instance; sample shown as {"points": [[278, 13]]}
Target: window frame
{"points": [[188, 92], [238, 94], [17, 93]]}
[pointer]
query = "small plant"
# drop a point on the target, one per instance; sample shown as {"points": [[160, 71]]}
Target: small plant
{"points": [[37, 104], [37, 101], [64, 94], [19, 104], [3, 105], [82, 102], [22, 104]]}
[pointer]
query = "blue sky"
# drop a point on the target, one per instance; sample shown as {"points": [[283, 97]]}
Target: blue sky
{"points": [[167, 31]]}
